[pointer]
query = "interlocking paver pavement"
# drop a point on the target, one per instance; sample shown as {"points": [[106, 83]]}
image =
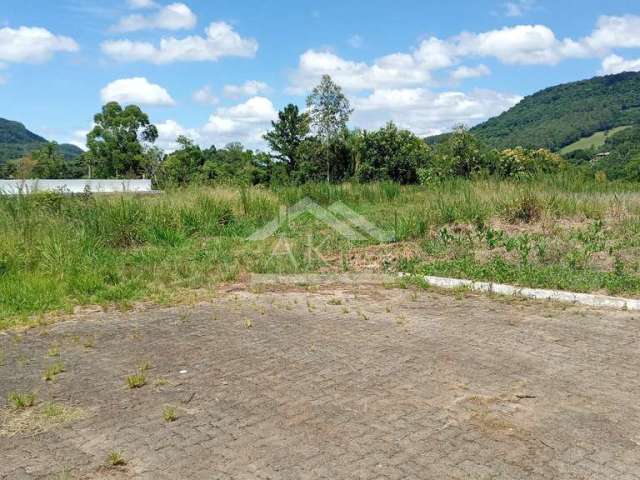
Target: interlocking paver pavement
{"points": [[339, 384]]}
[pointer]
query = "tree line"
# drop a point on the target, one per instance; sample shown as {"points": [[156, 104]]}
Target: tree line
{"points": [[305, 146]]}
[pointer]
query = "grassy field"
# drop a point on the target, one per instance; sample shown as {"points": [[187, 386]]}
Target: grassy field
{"points": [[59, 252], [594, 141]]}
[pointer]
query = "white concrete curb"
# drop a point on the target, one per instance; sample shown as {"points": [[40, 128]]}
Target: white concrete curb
{"points": [[599, 301], [590, 300]]}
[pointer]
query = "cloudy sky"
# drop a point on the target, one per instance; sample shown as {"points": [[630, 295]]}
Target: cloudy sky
{"points": [[219, 70]]}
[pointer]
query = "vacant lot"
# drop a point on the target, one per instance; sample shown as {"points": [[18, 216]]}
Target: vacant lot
{"points": [[558, 232], [336, 384]]}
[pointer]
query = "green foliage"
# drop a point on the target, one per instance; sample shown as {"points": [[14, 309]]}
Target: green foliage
{"points": [[522, 163], [461, 154], [329, 109], [329, 112], [389, 154], [21, 400], [16, 142], [560, 115], [592, 141], [116, 141], [526, 208], [47, 161], [184, 165], [287, 135], [620, 155]]}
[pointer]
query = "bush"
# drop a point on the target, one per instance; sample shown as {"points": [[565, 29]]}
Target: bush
{"points": [[461, 154], [527, 208], [521, 162], [390, 154]]}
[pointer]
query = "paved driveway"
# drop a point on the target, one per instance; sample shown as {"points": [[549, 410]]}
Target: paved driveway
{"points": [[336, 384]]}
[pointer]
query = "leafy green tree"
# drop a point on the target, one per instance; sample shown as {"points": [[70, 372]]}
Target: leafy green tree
{"points": [[116, 142], [22, 168], [309, 168], [329, 111], [287, 133], [522, 163], [49, 162], [632, 168], [184, 165], [460, 154], [390, 154], [152, 162]]}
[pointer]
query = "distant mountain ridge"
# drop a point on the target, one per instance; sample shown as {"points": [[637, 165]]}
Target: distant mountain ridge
{"points": [[558, 116], [16, 141]]}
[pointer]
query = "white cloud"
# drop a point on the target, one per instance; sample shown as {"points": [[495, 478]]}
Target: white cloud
{"points": [[434, 54], [523, 44], [141, 4], [519, 44], [616, 64], [463, 72], [355, 41], [250, 88], [220, 41], [32, 44], [246, 122], [518, 8], [79, 138], [169, 131], [176, 16], [136, 90], [205, 96], [427, 113], [615, 32], [393, 70]]}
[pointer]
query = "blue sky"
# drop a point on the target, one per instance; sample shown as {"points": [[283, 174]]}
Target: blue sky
{"points": [[219, 71]]}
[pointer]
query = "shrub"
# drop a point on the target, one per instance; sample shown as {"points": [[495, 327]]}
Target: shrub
{"points": [[522, 163], [390, 154], [527, 208], [460, 155]]}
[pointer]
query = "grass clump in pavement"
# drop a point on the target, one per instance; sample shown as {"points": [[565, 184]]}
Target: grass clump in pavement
{"points": [[53, 370], [169, 413], [137, 380], [116, 459], [21, 400]]}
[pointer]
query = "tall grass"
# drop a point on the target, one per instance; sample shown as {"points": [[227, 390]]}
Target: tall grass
{"points": [[57, 251]]}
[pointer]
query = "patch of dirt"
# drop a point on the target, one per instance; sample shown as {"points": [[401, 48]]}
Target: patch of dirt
{"points": [[38, 419], [374, 258]]}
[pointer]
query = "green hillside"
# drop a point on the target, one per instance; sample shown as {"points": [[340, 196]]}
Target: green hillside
{"points": [[593, 141], [16, 141], [559, 116], [620, 157]]}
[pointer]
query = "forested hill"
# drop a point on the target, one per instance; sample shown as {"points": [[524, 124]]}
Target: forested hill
{"points": [[560, 115], [16, 141]]}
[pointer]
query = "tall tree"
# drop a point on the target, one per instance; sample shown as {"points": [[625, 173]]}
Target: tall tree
{"points": [[289, 131], [116, 142], [50, 163], [329, 111], [184, 165]]}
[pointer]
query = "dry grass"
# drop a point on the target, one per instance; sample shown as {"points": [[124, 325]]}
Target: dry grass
{"points": [[119, 250], [31, 421]]}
